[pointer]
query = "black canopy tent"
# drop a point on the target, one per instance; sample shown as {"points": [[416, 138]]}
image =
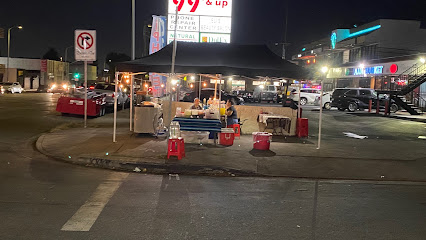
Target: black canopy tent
{"points": [[216, 58]]}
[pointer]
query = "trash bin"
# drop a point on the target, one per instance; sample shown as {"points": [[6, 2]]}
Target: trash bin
{"points": [[262, 140]]}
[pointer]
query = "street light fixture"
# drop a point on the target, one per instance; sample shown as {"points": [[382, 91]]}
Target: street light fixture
{"points": [[422, 60], [8, 50], [324, 69]]}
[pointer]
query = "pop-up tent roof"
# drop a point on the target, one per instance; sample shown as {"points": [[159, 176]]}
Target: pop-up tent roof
{"points": [[216, 58]]}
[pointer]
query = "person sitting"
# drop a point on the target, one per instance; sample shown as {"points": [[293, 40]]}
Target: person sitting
{"points": [[197, 105], [231, 113]]}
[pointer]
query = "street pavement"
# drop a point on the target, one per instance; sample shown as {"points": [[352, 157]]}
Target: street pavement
{"points": [[41, 198]]}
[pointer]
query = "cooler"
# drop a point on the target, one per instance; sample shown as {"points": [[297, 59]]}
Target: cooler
{"points": [[226, 137], [262, 140]]}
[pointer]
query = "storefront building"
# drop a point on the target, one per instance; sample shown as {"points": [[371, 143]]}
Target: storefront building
{"points": [[375, 55], [32, 74]]}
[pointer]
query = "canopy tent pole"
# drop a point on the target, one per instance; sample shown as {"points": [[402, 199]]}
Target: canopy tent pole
{"points": [[320, 117], [132, 87], [199, 89], [115, 108], [173, 64], [298, 105], [215, 89], [220, 88]]}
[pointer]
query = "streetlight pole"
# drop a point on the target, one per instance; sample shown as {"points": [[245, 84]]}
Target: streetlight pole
{"points": [[8, 50], [66, 53]]}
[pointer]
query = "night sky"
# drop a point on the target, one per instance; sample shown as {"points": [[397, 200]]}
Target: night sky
{"points": [[51, 23]]}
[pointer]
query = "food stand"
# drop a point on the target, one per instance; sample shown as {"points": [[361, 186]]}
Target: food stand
{"points": [[214, 59]]}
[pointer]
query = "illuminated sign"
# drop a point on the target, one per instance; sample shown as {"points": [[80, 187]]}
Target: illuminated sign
{"points": [[214, 37], [342, 34], [393, 68], [333, 40], [364, 71], [200, 20]]}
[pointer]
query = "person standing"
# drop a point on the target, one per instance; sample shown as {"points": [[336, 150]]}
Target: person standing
{"points": [[231, 113]]}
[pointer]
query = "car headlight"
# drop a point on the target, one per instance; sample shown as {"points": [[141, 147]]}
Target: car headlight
{"points": [[65, 86], [53, 86]]}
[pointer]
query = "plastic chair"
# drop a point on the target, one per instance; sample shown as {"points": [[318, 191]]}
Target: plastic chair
{"points": [[237, 130]]}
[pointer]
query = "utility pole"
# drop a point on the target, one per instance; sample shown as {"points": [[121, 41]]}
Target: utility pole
{"points": [[8, 50], [284, 43]]}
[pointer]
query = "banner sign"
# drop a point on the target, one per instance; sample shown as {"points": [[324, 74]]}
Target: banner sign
{"points": [[158, 41]]}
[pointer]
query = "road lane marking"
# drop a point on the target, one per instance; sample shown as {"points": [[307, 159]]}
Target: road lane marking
{"points": [[86, 215]]}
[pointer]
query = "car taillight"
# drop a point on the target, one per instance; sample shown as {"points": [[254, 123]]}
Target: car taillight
{"points": [[92, 87]]}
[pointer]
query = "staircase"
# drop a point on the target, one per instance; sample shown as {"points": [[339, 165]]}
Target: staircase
{"points": [[416, 76]]}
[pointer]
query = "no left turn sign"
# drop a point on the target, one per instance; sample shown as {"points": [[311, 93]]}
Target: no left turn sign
{"points": [[85, 45]]}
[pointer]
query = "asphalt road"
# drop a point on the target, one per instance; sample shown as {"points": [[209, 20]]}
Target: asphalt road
{"points": [[44, 199]]}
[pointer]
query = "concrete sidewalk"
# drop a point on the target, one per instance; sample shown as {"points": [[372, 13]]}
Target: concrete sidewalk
{"points": [[339, 158]]}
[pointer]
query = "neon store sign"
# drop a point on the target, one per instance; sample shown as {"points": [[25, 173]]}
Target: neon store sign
{"points": [[364, 71]]}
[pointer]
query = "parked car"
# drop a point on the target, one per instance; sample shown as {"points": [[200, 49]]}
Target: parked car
{"points": [[247, 96], [358, 98], [268, 93], [307, 95], [326, 101], [109, 90], [209, 93], [10, 87]]}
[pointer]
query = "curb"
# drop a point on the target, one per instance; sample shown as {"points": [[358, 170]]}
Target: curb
{"points": [[187, 169], [145, 167]]}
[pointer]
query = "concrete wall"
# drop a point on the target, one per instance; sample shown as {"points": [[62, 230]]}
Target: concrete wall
{"points": [[244, 112]]}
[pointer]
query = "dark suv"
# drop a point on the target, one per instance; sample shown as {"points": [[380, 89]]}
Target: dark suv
{"points": [[357, 98]]}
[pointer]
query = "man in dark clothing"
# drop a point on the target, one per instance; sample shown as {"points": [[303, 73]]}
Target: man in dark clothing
{"points": [[231, 112]]}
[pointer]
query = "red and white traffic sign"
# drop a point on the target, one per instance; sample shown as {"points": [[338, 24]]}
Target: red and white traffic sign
{"points": [[85, 45]]}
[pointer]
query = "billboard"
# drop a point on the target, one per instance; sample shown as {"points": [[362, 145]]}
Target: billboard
{"points": [[158, 41], [200, 20]]}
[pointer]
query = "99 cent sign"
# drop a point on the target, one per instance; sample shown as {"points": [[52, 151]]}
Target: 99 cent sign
{"points": [[199, 20], [85, 45]]}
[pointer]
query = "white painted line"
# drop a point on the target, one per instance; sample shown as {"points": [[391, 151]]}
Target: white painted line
{"points": [[86, 216]]}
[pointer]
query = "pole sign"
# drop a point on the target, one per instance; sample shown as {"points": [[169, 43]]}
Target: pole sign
{"points": [[200, 20], [85, 45], [158, 41]]}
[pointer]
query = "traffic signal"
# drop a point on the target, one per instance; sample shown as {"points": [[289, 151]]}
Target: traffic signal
{"points": [[77, 75], [150, 89]]}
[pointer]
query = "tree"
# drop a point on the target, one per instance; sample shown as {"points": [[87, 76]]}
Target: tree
{"points": [[52, 54]]}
